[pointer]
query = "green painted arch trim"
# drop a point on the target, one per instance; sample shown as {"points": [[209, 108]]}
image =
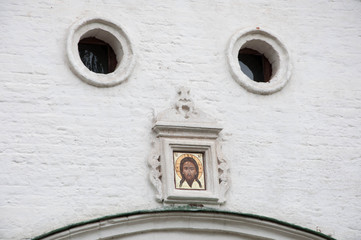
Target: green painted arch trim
{"points": [[184, 209]]}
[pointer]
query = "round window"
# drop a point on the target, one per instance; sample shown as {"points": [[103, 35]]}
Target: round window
{"points": [[97, 55], [259, 62], [100, 52], [254, 65]]}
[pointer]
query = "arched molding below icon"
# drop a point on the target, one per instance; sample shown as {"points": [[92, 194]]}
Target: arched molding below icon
{"points": [[178, 223]]}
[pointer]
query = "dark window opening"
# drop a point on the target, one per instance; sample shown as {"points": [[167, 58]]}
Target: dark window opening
{"points": [[97, 56], [254, 65]]}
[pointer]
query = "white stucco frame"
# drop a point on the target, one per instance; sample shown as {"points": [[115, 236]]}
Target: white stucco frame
{"points": [[172, 194], [186, 129]]}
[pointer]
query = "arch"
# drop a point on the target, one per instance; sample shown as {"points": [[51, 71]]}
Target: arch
{"points": [[180, 223]]}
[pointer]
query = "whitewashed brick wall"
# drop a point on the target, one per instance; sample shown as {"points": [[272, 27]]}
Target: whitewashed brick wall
{"points": [[71, 152]]}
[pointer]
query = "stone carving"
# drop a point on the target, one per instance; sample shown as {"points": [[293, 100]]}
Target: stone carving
{"points": [[223, 172], [155, 170], [184, 105], [183, 132]]}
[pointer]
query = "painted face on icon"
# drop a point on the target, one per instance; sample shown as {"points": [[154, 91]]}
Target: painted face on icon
{"points": [[189, 172]]}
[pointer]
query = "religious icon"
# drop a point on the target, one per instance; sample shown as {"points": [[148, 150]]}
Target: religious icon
{"points": [[189, 171]]}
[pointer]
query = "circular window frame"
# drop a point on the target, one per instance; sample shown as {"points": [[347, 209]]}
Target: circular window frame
{"points": [[113, 35], [273, 49]]}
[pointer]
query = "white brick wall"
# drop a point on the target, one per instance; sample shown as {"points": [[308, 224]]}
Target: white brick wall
{"points": [[72, 152]]}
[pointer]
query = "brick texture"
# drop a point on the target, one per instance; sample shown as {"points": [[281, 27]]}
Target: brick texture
{"points": [[72, 152]]}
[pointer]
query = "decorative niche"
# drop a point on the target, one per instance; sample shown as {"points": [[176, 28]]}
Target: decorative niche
{"points": [[187, 165]]}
